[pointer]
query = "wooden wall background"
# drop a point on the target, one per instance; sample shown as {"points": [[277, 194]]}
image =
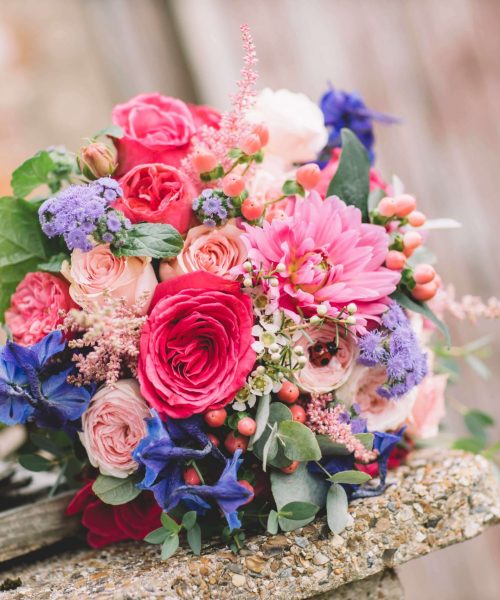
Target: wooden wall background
{"points": [[64, 63]]}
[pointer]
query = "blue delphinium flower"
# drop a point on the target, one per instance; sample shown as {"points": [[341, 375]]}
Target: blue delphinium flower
{"points": [[31, 390], [394, 346], [343, 109], [81, 211]]}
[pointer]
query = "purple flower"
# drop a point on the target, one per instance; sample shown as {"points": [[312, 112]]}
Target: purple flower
{"points": [[209, 222], [211, 205]]}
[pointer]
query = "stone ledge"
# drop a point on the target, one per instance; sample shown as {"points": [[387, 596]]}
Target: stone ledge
{"points": [[439, 498]]}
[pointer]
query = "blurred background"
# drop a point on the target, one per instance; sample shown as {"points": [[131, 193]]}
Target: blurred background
{"points": [[64, 63]]}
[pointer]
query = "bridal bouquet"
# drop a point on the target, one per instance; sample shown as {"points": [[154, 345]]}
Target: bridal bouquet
{"points": [[221, 315]]}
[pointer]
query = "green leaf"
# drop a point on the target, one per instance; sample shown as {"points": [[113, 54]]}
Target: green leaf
{"points": [[53, 265], [300, 486], [298, 511], [353, 477], [45, 443], [35, 462], [419, 307], [472, 445], [189, 520], [151, 239], [351, 182], [476, 422], [478, 365], [291, 187], [158, 536], [114, 131], [374, 198], [300, 441], [169, 523], [272, 522], [194, 539], [492, 452], [115, 490], [32, 173], [278, 412], [271, 447], [336, 508], [169, 546], [261, 418]]}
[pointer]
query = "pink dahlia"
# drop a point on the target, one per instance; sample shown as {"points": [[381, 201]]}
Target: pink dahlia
{"points": [[330, 258]]}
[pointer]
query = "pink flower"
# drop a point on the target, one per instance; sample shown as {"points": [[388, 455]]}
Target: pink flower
{"points": [[330, 256], [98, 274], [207, 249], [318, 378], [429, 407], [157, 129], [113, 425], [157, 193], [195, 349], [35, 305], [382, 414]]}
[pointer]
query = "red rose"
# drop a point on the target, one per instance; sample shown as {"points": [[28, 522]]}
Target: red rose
{"points": [[195, 348], [108, 524], [157, 193], [157, 129]]}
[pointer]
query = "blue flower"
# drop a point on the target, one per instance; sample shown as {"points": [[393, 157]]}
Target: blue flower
{"points": [[30, 390], [342, 109]]}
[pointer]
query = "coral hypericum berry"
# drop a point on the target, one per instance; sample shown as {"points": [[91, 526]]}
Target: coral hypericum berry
{"points": [[247, 426], [233, 185], [288, 392], [308, 176], [215, 418], [233, 443], [291, 468], [298, 413], [252, 209], [191, 477]]}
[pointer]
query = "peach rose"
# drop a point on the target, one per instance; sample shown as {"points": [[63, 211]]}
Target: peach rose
{"points": [[322, 378], [113, 425], [207, 249], [97, 273], [382, 414], [429, 407]]}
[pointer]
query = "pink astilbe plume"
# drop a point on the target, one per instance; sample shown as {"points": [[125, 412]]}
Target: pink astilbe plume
{"points": [[111, 334], [233, 124], [468, 307], [331, 422]]}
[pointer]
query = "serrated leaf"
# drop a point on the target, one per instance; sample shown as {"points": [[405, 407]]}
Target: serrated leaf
{"points": [[189, 519], [421, 308], [300, 441], [352, 477], [169, 546], [169, 523], [298, 511], [32, 173], [151, 239], [351, 182], [158, 536], [35, 462], [336, 508], [272, 522], [194, 539], [114, 490]]}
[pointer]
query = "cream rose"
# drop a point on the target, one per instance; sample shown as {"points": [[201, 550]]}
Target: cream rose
{"points": [[113, 425], [296, 125], [95, 274], [429, 407], [317, 378], [207, 249], [382, 414]]}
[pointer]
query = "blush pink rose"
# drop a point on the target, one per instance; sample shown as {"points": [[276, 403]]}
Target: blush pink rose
{"points": [[320, 379], [429, 407], [98, 274], [35, 305], [216, 251], [113, 425], [382, 414], [157, 193], [195, 348], [157, 129]]}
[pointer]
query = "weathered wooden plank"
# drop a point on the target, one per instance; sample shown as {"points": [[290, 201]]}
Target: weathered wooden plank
{"points": [[35, 526]]}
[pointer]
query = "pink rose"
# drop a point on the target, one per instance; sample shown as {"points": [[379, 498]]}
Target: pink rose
{"points": [[207, 249], [195, 348], [157, 129], [204, 115], [157, 193], [381, 413], [113, 425], [429, 407], [98, 274], [35, 306], [327, 368]]}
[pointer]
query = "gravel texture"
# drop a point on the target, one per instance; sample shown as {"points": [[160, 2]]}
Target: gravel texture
{"points": [[439, 498]]}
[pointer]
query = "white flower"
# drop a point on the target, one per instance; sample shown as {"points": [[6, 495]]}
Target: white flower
{"points": [[296, 125]]}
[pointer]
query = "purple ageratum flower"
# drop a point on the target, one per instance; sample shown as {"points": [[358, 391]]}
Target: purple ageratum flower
{"points": [[211, 205], [394, 346], [209, 222], [343, 109]]}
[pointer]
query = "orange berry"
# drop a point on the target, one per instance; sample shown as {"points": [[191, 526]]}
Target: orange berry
{"points": [[233, 443], [404, 205], [233, 185], [395, 260], [249, 487], [247, 426], [424, 273], [252, 208], [250, 144], [424, 291], [204, 161], [288, 392], [298, 413], [308, 176], [412, 240], [291, 468], [216, 417], [263, 132], [214, 439], [387, 207], [416, 218], [191, 477]]}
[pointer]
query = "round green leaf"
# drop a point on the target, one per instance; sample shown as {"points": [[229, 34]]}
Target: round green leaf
{"points": [[300, 441], [114, 490], [336, 508], [298, 511], [353, 477]]}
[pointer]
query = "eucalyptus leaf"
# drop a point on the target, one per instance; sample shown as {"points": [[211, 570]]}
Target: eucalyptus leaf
{"points": [[270, 447], [115, 490], [157, 240], [169, 546], [261, 418], [298, 511], [158, 536], [194, 539], [352, 477], [300, 441], [278, 412], [336, 508], [351, 182], [272, 522], [32, 173]]}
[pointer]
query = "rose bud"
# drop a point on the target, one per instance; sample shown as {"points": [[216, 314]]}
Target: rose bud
{"points": [[97, 160]]}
